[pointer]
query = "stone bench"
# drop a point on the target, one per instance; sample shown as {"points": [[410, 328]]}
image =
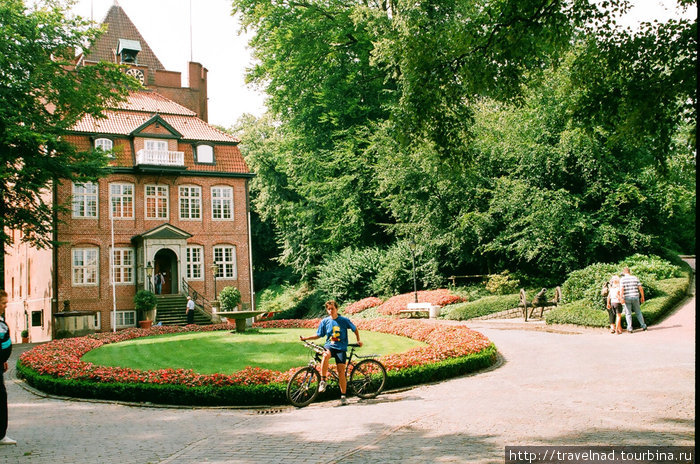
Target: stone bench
{"points": [[421, 310]]}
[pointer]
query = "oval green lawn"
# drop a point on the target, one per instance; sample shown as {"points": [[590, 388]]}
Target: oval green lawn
{"points": [[225, 352]]}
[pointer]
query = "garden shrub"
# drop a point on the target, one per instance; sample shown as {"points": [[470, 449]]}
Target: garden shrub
{"points": [[229, 297], [348, 275], [502, 284], [395, 275], [306, 303], [586, 283], [481, 307], [669, 293], [651, 267]]}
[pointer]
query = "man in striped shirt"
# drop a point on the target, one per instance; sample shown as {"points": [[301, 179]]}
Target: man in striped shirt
{"points": [[632, 295]]}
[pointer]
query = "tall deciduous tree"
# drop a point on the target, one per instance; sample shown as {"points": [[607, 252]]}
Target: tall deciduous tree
{"points": [[523, 134], [42, 95]]}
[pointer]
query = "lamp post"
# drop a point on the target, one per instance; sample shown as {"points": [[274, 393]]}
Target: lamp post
{"points": [[149, 274], [412, 246], [215, 271]]}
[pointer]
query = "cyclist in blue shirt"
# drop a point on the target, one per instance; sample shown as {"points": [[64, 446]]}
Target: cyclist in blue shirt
{"points": [[335, 329]]}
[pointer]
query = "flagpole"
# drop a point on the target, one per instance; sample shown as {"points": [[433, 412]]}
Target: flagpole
{"points": [[111, 260]]}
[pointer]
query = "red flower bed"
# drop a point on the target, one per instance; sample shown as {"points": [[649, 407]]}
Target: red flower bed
{"points": [[439, 297], [61, 358], [365, 303], [443, 341]]}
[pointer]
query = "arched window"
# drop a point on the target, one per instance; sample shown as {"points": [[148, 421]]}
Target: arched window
{"points": [[104, 144]]}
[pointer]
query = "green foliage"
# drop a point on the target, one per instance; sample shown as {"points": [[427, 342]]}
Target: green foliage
{"points": [[25, 333], [652, 267], [502, 284], [396, 273], [580, 312], [529, 124], [291, 301], [298, 302], [481, 307], [669, 293], [348, 275], [354, 274], [586, 283], [42, 96], [230, 297]]}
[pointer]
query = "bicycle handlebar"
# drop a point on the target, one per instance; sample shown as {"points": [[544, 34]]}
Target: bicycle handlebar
{"points": [[313, 346], [320, 349]]}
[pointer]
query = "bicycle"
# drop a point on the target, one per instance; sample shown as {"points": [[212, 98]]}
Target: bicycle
{"points": [[367, 378]]}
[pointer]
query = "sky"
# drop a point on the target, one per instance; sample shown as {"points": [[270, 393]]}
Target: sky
{"points": [[216, 43]]}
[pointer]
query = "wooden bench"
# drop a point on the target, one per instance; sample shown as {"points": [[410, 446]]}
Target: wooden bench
{"points": [[418, 310], [454, 278]]}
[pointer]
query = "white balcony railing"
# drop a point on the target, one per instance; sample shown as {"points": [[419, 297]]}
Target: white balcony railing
{"points": [[160, 157]]}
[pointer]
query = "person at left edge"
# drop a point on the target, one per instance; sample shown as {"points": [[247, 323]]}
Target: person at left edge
{"points": [[5, 351]]}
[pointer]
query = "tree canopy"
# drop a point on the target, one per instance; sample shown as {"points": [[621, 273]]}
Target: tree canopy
{"points": [[42, 95], [534, 136]]}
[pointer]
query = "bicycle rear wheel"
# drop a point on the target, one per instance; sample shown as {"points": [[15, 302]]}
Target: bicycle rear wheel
{"points": [[303, 387], [368, 378]]}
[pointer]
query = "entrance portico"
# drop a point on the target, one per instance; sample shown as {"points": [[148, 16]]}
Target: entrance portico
{"points": [[161, 250]]}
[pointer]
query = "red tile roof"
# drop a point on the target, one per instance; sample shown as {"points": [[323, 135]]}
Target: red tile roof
{"points": [[153, 102], [143, 106], [140, 108]]}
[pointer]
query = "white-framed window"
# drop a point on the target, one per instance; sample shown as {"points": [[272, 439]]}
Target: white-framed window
{"points": [[225, 257], [157, 145], [85, 266], [104, 145], [123, 265], [222, 203], [121, 197], [126, 319], [205, 154], [194, 262], [156, 201], [85, 200], [190, 202]]}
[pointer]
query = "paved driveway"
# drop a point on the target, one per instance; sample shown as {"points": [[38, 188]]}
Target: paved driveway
{"points": [[554, 386]]}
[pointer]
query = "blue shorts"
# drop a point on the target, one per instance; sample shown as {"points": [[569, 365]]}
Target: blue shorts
{"points": [[340, 356]]}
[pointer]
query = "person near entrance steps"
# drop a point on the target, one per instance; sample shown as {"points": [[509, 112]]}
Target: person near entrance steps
{"points": [[189, 312], [158, 281], [5, 350], [335, 329], [632, 296]]}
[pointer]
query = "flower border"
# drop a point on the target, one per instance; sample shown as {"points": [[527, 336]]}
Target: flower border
{"points": [[60, 359]]}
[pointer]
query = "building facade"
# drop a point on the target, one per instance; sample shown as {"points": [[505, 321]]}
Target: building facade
{"points": [[173, 204]]}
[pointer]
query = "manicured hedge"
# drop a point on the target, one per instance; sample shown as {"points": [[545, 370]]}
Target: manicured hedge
{"points": [[481, 307], [670, 292], [56, 367]]}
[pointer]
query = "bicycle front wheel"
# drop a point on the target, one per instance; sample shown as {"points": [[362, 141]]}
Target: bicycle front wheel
{"points": [[303, 387], [368, 378]]}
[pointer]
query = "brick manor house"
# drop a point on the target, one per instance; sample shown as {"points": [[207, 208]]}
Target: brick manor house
{"points": [[175, 203]]}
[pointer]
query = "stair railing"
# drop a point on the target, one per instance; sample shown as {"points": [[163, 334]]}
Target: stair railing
{"points": [[198, 299]]}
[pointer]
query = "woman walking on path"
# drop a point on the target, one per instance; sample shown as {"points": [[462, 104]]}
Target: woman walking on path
{"points": [[615, 305]]}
